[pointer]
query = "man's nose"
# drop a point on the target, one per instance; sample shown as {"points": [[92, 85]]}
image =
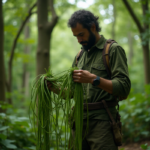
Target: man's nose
{"points": [[79, 39]]}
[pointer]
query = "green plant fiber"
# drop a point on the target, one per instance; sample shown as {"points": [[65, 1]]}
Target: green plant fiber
{"points": [[48, 107]]}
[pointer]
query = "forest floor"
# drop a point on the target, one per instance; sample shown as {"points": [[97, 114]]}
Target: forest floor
{"points": [[134, 146]]}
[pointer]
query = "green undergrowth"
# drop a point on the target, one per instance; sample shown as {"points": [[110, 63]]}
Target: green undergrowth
{"points": [[135, 114], [15, 130], [48, 108]]}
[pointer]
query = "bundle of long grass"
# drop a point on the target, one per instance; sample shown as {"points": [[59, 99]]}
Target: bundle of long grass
{"points": [[48, 107]]}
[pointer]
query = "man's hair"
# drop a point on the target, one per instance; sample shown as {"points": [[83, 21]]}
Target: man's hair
{"points": [[84, 17]]}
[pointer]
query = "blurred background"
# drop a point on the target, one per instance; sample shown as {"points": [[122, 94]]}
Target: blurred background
{"points": [[34, 36]]}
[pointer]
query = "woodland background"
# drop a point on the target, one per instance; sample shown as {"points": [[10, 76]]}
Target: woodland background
{"points": [[34, 35]]}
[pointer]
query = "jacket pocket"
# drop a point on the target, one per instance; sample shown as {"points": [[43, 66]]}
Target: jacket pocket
{"points": [[99, 70]]}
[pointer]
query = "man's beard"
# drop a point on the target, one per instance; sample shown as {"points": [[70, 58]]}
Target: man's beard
{"points": [[90, 42]]}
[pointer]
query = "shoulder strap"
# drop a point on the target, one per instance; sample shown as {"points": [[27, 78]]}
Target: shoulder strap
{"points": [[106, 55], [107, 109], [78, 57], [106, 59]]}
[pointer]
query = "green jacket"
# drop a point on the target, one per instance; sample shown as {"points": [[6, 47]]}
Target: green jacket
{"points": [[93, 62]]}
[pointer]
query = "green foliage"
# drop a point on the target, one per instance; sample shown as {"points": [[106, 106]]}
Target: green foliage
{"points": [[135, 115], [15, 131], [145, 146]]}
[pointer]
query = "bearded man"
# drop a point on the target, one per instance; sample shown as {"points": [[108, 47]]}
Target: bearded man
{"points": [[95, 79]]}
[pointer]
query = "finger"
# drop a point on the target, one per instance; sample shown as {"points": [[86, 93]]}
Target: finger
{"points": [[76, 80], [77, 74], [76, 77], [77, 71]]}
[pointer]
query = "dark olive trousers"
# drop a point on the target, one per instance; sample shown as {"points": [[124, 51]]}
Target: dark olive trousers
{"points": [[98, 137]]}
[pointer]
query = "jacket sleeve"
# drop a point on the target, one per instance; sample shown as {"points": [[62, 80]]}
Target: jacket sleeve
{"points": [[119, 71]]}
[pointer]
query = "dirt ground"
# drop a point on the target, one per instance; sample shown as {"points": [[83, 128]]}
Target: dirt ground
{"points": [[134, 146]]}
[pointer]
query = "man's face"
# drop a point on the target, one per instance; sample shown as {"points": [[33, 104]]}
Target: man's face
{"points": [[85, 37]]}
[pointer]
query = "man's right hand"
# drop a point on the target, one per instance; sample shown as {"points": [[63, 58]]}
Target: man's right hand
{"points": [[49, 84]]}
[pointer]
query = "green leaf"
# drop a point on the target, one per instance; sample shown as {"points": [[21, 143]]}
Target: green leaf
{"points": [[4, 128], [144, 146], [147, 89], [145, 133], [30, 148], [147, 119], [7, 143], [3, 137]]}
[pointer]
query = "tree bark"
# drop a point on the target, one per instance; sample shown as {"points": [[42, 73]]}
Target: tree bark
{"points": [[2, 71], [9, 83], [142, 30], [130, 41], [146, 45], [26, 74], [45, 29], [114, 19]]}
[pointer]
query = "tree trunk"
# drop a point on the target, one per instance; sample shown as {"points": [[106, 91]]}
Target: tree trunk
{"points": [[130, 41], [45, 29], [142, 30], [146, 63], [114, 19], [2, 72], [146, 45], [9, 83], [42, 57], [26, 74]]}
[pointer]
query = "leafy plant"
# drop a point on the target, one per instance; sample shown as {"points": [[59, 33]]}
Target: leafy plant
{"points": [[135, 116], [145, 146], [15, 132]]}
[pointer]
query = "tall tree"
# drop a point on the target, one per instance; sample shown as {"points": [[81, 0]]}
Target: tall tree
{"points": [[9, 82], [2, 72], [25, 80], [45, 29], [143, 28], [130, 41], [114, 19]]}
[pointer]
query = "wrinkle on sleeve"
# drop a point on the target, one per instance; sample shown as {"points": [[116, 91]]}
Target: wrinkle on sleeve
{"points": [[119, 71]]}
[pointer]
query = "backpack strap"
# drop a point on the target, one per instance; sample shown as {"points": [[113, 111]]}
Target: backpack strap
{"points": [[106, 59], [78, 57], [107, 109], [106, 55]]}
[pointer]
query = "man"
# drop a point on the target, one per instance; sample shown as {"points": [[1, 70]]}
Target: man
{"points": [[96, 83]]}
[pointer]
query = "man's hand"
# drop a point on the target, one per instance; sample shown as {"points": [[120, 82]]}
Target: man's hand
{"points": [[83, 76], [48, 83]]}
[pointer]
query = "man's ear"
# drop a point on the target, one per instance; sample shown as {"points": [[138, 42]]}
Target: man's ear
{"points": [[93, 27]]}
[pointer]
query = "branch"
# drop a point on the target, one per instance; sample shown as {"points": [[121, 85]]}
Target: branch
{"points": [[140, 28], [52, 8], [145, 9], [54, 20], [15, 43], [35, 12]]}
